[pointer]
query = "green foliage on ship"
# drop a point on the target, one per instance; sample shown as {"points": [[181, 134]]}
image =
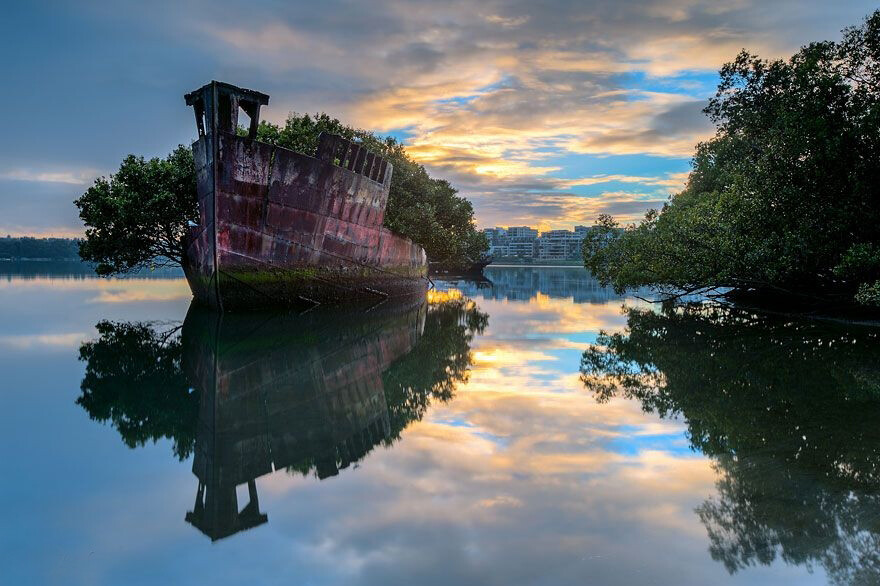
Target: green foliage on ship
{"points": [[424, 209], [784, 198], [138, 216]]}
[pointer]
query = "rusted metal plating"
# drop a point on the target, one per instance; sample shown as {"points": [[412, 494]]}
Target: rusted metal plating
{"points": [[352, 156], [277, 226]]}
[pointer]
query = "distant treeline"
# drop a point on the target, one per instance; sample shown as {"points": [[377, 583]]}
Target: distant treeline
{"points": [[27, 247]]}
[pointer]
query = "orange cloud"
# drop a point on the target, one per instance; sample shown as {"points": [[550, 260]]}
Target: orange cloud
{"points": [[488, 94]]}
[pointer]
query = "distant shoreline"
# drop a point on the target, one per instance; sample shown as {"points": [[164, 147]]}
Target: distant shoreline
{"points": [[40, 259], [531, 266], [536, 263]]}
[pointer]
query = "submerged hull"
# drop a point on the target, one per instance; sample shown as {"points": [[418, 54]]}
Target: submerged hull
{"points": [[281, 228]]}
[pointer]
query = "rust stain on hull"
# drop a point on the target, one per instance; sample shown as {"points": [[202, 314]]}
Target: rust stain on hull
{"points": [[281, 228]]}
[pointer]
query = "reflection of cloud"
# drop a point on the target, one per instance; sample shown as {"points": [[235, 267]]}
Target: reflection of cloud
{"points": [[498, 355], [520, 476], [112, 290], [130, 295], [550, 315]]}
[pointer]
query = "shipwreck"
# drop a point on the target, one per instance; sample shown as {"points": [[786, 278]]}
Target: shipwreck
{"points": [[278, 227]]}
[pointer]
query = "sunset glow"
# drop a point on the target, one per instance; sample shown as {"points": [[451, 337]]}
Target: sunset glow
{"points": [[543, 116]]}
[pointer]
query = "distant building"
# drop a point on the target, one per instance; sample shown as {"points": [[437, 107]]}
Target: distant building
{"points": [[499, 241], [561, 244], [522, 232], [522, 246], [493, 233], [524, 242]]}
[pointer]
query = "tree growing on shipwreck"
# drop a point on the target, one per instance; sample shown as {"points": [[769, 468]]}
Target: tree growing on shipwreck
{"points": [[138, 216]]}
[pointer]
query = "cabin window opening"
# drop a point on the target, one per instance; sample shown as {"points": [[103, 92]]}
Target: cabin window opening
{"points": [[242, 496], [201, 121], [344, 148], [227, 122], [354, 156], [244, 123]]}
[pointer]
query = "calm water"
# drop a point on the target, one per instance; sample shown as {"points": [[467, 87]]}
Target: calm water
{"points": [[527, 431]]}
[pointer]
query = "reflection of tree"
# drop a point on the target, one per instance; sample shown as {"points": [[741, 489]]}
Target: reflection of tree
{"points": [[789, 412], [309, 393], [134, 379], [437, 364]]}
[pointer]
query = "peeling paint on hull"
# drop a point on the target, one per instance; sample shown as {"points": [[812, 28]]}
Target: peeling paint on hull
{"points": [[281, 228]]}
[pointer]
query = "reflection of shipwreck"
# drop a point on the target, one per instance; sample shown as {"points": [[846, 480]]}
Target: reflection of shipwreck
{"points": [[280, 227], [302, 393]]}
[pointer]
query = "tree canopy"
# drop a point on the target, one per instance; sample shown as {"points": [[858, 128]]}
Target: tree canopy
{"points": [[139, 215], [424, 209], [784, 198]]}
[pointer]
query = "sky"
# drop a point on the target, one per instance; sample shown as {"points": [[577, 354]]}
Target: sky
{"points": [[545, 113]]}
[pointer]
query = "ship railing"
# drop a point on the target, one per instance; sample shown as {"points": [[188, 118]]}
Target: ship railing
{"points": [[353, 156]]}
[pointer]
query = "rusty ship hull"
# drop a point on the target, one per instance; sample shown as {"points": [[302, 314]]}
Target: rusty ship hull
{"points": [[277, 227]]}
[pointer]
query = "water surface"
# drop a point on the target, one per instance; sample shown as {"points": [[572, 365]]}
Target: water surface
{"points": [[532, 429]]}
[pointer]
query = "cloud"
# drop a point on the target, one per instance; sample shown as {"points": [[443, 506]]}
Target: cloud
{"points": [[29, 341], [561, 210], [490, 95], [507, 22], [673, 181], [37, 231], [72, 177]]}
